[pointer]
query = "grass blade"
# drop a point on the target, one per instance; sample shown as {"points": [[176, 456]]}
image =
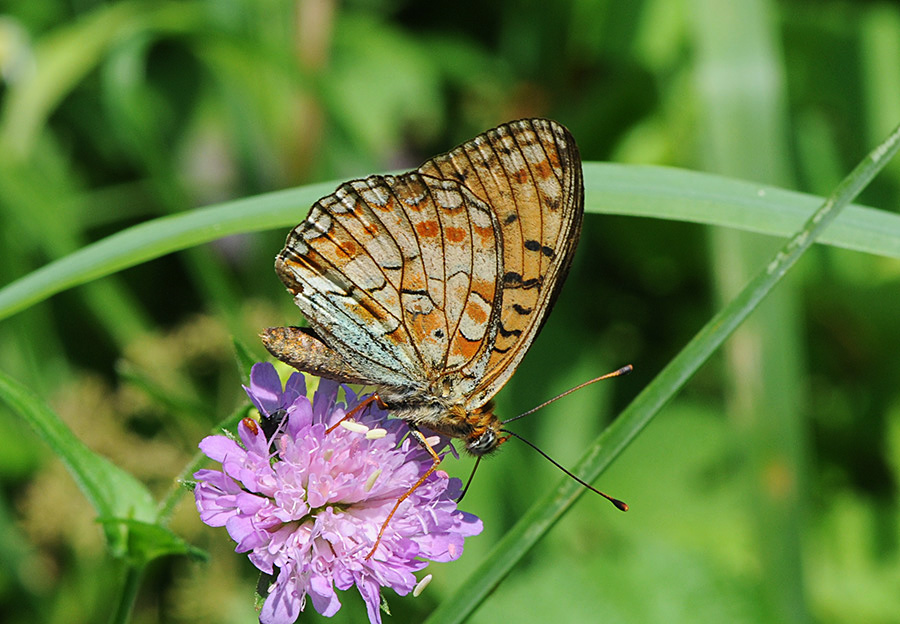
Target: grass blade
{"points": [[610, 189], [546, 511]]}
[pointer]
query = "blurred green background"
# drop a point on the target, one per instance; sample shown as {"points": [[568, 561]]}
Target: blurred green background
{"points": [[766, 492]]}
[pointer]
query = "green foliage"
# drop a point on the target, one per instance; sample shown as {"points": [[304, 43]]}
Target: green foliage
{"points": [[112, 492], [765, 491]]}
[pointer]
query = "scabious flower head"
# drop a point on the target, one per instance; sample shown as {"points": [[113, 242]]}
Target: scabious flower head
{"points": [[309, 507]]}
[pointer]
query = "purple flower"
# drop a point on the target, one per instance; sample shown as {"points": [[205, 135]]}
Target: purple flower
{"points": [[311, 513]]}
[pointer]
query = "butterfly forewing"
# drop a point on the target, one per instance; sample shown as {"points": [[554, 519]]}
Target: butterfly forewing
{"points": [[529, 172]]}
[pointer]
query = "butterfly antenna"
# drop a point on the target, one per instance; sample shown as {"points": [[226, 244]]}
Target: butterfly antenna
{"points": [[622, 371], [469, 482], [615, 501]]}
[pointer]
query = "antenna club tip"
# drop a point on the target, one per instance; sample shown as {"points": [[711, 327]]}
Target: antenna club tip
{"points": [[620, 505], [624, 371]]}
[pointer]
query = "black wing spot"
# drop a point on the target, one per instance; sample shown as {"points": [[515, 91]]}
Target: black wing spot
{"points": [[522, 309], [506, 333], [510, 218], [512, 279], [532, 245], [548, 251]]}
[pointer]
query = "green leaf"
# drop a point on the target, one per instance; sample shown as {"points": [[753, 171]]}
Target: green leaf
{"points": [[157, 238], [695, 197], [146, 542], [113, 492]]}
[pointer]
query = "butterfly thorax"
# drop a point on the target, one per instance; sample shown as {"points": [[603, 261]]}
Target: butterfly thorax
{"points": [[479, 428]]}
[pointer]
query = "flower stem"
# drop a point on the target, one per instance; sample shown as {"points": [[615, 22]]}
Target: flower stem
{"points": [[131, 583], [550, 508]]}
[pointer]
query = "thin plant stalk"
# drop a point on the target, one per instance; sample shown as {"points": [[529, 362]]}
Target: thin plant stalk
{"points": [[548, 510]]}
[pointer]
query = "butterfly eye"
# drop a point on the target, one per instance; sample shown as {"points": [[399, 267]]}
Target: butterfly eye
{"points": [[482, 443]]}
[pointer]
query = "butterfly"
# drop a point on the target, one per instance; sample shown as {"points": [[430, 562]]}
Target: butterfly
{"points": [[431, 285]]}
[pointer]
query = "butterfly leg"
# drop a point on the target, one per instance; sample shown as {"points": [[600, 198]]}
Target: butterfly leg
{"points": [[359, 408], [435, 458]]}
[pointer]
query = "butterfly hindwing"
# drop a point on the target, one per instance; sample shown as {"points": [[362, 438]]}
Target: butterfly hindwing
{"points": [[397, 274], [302, 349]]}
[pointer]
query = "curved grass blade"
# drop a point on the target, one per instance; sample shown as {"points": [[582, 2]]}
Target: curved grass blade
{"points": [[546, 511], [611, 189], [697, 197], [157, 238]]}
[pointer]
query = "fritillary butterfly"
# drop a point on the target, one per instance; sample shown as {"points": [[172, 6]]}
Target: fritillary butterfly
{"points": [[431, 285]]}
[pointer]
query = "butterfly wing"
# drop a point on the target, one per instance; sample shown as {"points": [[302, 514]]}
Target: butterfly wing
{"points": [[397, 276], [529, 173], [435, 283], [303, 349]]}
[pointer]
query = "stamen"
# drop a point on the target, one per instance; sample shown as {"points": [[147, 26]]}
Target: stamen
{"points": [[355, 427], [370, 482], [421, 585]]}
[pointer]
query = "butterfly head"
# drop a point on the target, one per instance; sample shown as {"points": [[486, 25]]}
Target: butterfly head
{"points": [[485, 434]]}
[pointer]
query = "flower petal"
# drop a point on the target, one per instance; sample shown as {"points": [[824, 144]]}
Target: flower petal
{"points": [[219, 447], [294, 389], [284, 604], [324, 600], [265, 388], [371, 594]]}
